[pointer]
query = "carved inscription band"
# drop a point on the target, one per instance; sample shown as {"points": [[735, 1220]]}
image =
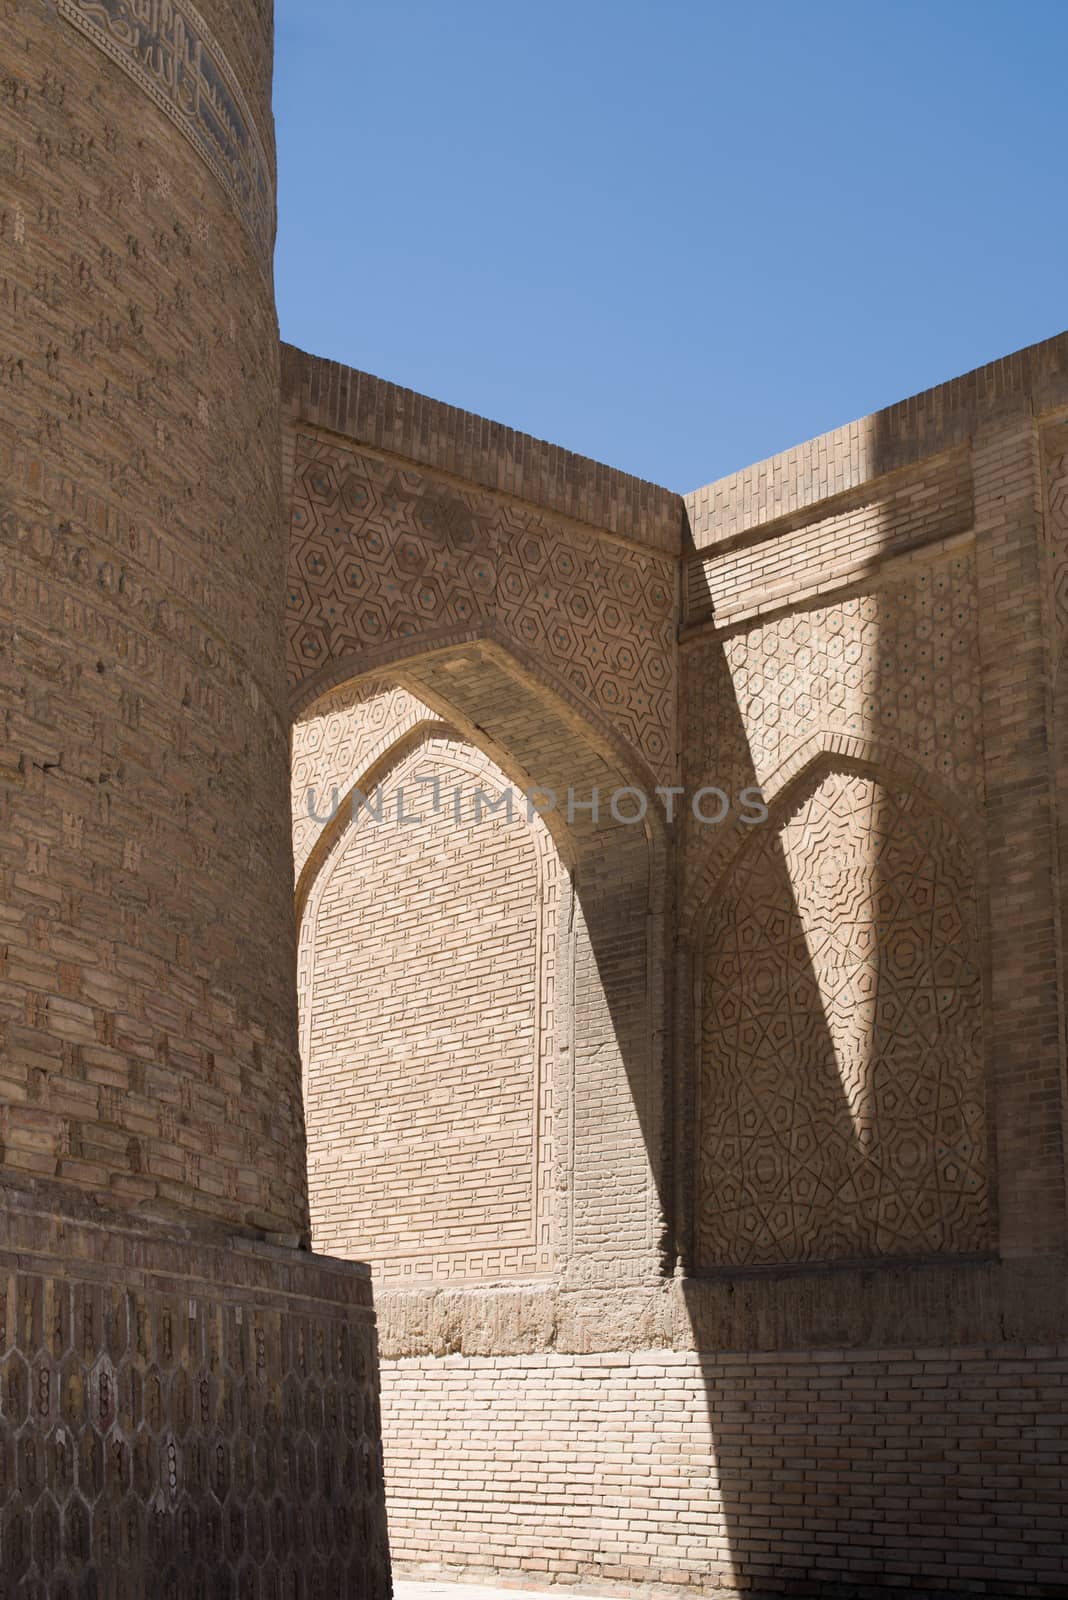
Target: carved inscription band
{"points": [[166, 47]]}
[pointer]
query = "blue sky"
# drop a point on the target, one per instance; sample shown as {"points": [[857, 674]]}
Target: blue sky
{"points": [[676, 237]]}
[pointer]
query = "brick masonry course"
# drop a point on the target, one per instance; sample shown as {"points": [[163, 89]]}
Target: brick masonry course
{"points": [[712, 1179], [827, 1400]]}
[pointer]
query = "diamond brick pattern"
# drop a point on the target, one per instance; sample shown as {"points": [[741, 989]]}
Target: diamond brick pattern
{"points": [[895, 668], [605, 1070], [335, 744]]}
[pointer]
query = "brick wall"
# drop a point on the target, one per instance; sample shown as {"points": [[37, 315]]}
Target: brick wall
{"points": [[1055, 590], [178, 1406], [388, 558], [841, 1091], [404, 426], [147, 1026], [840, 1059], [872, 604], [344, 738], [796, 558], [812, 1472], [181, 1415], [427, 980], [436, 559]]}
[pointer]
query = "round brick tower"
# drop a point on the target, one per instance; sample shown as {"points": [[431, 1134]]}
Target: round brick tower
{"points": [[147, 1007], [166, 1348]]}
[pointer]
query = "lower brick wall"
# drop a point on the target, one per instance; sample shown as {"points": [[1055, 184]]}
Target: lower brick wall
{"points": [[183, 1414], [821, 1473]]}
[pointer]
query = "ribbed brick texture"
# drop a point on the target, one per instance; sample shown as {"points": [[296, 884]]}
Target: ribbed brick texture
{"points": [[179, 1413]]}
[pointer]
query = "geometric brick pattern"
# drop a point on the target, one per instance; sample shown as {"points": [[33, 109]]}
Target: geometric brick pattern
{"points": [[186, 80], [603, 1194], [186, 1410], [427, 977], [177, 1426], [147, 1030], [896, 666], [382, 554], [898, 663], [334, 744], [841, 1080], [155, 1444]]}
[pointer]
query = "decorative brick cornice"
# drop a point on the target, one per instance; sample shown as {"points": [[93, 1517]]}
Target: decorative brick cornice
{"points": [[398, 422]]}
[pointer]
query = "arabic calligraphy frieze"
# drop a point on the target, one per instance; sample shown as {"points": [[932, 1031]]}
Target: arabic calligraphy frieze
{"points": [[166, 47]]}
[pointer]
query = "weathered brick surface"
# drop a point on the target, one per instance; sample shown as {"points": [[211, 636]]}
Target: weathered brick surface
{"points": [[841, 1095], [181, 1414], [653, 1095], [386, 560], [855, 456], [424, 432], [1026, 1020], [427, 987], [1055, 592], [602, 1027], [776, 565], [146, 1015], [346, 737]]}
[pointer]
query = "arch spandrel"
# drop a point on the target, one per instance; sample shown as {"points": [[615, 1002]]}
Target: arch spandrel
{"points": [[387, 559]]}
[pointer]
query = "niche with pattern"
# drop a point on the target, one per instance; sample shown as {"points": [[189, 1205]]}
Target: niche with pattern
{"points": [[841, 1072], [427, 977]]}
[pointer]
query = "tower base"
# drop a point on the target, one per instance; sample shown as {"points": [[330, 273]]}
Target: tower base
{"points": [[182, 1413]]}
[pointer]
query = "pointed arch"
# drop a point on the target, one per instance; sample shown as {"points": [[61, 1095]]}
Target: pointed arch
{"points": [[841, 1071], [613, 1006], [715, 855]]}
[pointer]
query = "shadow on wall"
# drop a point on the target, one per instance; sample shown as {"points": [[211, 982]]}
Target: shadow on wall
{"points": [[840, 1089], [812, 1155], [612, 1225], [429, 912], [1060, 725]]}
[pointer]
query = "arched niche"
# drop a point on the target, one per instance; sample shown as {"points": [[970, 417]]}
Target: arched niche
{"points": [[841, 1077], [608, 1158]]}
